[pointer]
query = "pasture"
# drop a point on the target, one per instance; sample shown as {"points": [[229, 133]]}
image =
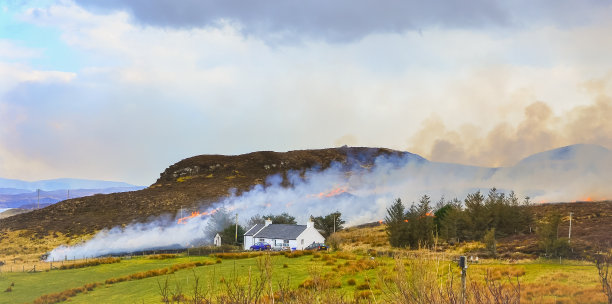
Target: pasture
{"points": [[346, 277]]}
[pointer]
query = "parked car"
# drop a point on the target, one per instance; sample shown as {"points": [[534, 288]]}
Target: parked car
{"points": [[261, 246], [316, 246]]}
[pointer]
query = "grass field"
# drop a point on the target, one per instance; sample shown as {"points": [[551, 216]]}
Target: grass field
{"points": [[347, 275]]}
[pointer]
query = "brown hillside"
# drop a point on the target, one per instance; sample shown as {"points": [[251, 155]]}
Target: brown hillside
{"points": [[191, 183], [591, 227]]}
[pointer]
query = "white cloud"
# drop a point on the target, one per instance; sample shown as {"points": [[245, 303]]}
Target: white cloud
{"points": [[10, 51], [213, 90]]}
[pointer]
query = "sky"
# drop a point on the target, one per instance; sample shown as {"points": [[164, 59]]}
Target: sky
{"points": [[120, 90]]}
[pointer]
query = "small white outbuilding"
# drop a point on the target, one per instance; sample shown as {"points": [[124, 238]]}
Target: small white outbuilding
{"points": [[217, 240]]}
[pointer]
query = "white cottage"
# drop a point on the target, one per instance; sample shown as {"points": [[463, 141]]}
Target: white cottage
{"points": [[282, 236]]}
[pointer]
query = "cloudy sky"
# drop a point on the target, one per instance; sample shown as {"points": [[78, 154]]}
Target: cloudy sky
{"points": [[121, 90]]}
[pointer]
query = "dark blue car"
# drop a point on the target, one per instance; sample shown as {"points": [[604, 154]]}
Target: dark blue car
{"points": [[261, 246]]}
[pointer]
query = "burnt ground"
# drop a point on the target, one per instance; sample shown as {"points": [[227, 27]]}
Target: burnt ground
{"points": [[192, 183]]}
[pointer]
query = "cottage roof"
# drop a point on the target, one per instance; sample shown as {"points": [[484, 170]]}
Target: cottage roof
{"points": [[254, 229], [281, 231]]}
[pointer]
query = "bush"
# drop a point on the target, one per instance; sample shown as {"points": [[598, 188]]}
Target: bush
{"points": [[490, 242], [351, 282], [64, 295], [334, 241], [243, 255], [366, 294], [363, 286], [297, 253], [96, 262], [163, 256]]}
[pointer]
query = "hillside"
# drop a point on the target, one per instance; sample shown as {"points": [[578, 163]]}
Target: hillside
{"points": [[11, 212], [591, 226], [191, 183], [196, 183]]}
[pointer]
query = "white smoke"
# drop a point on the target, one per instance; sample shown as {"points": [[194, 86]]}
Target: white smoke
{"points": [[362, 194]]}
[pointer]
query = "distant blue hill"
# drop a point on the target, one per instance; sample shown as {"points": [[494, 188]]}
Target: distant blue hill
{"points": [[23, 194], [60, 184]]}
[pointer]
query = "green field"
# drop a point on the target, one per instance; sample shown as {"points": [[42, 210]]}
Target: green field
{"points": [[541, 281]]}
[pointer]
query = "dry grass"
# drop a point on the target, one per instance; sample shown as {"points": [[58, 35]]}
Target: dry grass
{"points": [[352, 267], [552, 292], [244, 255], [364, 238], [21, 250], [95, 262], [296, 254], [66, 294], [163, 256]]}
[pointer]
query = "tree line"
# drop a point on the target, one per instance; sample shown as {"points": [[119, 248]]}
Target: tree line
{"points": [[495, 215]]}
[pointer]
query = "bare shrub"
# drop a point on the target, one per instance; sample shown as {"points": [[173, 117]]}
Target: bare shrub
{"points": [[164, 290], [603, 269], [334, 241]]}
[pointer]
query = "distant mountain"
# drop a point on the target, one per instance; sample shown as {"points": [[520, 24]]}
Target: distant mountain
{"points": [[562, 173], [23, 194], [60, 184], [13, 191], [32, 200]]}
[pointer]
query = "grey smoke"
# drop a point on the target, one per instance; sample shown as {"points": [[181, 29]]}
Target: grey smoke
{"points": [[564, 174], [347, 20]]}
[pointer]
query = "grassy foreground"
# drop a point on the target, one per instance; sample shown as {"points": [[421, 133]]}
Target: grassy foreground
{"points": [[341, 277]]}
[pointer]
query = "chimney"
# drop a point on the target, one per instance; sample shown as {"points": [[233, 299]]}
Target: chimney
{"points": [[268, 222], [310, 223]]}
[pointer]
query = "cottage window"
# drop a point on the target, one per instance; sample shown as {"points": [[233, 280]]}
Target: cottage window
{"points": [[302, 241], [286, 241], [261, 240]]}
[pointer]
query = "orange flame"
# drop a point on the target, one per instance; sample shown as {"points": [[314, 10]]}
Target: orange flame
{"points": [[586, 199], [183, 220], [330, 193]]}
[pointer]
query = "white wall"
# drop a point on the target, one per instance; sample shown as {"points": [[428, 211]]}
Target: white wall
{"points": [[308, 236], [248, 242], [217, 240]]}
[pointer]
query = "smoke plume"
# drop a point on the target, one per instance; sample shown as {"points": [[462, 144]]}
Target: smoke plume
{"points": [[507, 143], [362, 194]]}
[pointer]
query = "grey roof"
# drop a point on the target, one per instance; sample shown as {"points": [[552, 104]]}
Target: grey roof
{"points": [[254, 229], [281, 231]]}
